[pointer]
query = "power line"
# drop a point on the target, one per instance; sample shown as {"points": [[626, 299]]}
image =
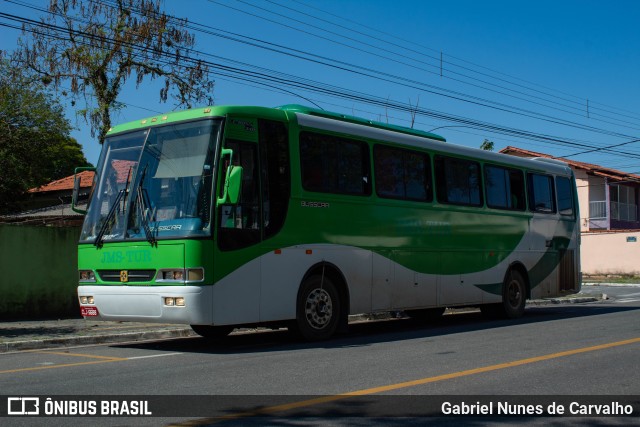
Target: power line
{"points": [[276, 78], [435, 89], [580, 101]]}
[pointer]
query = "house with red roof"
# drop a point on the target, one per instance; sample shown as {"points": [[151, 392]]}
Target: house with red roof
{"points": [[51, 203], [608, 198], [609, 216]]}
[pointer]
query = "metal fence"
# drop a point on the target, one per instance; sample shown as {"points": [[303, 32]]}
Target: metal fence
{"points": [[619, 211]]}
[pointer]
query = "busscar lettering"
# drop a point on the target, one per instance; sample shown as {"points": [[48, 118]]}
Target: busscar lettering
{"points": [[305, 204], [173, 227], [247, 125]]}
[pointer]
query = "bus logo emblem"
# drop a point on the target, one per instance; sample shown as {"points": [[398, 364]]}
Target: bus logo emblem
{"points": [[124, 276]]}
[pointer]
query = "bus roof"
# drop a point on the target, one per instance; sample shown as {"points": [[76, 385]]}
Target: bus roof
{"points": [[295, 108], [412, 136]]}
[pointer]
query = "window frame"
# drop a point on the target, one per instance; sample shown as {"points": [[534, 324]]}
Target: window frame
{"points": [[523, 193], [571, 197], [365, 161], [427, 181], [441, 188], [532, 193]]}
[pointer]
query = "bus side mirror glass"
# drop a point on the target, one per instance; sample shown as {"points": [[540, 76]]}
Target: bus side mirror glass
{"points": [[232, 186], [76, 189]]}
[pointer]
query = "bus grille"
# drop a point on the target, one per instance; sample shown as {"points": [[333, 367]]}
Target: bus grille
{"points": [[132, 275]]}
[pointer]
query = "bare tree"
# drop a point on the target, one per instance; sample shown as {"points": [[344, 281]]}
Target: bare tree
{"points": [[413, 110], [94, 47]]}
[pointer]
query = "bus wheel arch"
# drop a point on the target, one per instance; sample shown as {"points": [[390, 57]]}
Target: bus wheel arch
{"points": [[322, 302]]}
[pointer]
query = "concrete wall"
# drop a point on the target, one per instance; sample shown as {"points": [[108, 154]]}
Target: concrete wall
{"points": [[38, 272], [611, 253]]}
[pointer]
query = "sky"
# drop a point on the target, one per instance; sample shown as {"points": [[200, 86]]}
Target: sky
{"points": [[559, 77]]}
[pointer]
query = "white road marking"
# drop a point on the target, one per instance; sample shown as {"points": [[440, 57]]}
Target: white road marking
{"points": [[626, 300], [153, 355]]}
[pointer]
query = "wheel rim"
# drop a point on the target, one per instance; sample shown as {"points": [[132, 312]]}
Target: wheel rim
{"points": [[319, 309], [514, 294]]}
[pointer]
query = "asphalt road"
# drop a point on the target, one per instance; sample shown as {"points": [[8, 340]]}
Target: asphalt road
{"points": [[556, 352]]}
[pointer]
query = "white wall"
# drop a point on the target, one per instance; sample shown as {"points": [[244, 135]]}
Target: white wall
{"points": [[610, 253]]}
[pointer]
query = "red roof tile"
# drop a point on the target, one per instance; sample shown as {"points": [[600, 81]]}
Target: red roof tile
{"points": [[122, 168], [591, 168], [86, 179]]}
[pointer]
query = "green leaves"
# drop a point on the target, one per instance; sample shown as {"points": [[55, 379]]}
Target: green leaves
{"points": [[35, 146], [94, 47]]}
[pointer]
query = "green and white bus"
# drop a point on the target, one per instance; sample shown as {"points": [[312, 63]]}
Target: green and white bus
{"points": [[231, 216]]}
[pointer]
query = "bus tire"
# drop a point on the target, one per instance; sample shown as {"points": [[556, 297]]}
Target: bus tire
{"points": [[317, 308], [514, 295], [514, 298], [212, 332]]}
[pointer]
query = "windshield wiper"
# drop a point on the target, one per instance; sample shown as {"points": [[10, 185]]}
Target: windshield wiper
{"points": [[143, 202], [111, 214]]}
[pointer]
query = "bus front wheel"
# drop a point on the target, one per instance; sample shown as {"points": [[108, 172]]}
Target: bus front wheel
{"points": [[317, 309]]}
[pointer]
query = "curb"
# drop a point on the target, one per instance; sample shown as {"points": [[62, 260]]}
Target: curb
{"points": [[96, 339], [550, 301], [613, 284]]}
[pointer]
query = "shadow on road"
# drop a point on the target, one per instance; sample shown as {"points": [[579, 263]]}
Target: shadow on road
{"points": [[376, 331]]}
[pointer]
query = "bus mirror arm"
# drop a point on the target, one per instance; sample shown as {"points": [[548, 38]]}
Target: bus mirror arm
{"points": [[232, 183], [76, 188]]}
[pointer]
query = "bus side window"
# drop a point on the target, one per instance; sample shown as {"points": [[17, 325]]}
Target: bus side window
{"points": [[458, 181], [402, 174], [332, 164], [565, 196], [541, 194], [239, 224], [275, 175], [504, 188]]}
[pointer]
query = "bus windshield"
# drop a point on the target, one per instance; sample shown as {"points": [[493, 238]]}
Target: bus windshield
{"points": [[154, 183]]}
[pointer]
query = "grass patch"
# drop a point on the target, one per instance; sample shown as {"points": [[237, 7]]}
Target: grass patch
{"points": [[611, 278]]}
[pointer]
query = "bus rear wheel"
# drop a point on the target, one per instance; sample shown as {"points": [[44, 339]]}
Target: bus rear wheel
{"points": [[317, 309], [514, 295], [212, 332], [514, 298]]}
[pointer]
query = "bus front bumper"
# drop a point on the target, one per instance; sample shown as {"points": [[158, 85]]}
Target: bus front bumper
{"points": [[156, 304]]}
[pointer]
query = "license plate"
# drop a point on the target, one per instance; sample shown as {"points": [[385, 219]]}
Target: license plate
{"points": [[89, 311]]}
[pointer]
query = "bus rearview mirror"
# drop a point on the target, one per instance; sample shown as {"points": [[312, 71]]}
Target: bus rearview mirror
{"points": [[76, 189], [232, 186]]}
